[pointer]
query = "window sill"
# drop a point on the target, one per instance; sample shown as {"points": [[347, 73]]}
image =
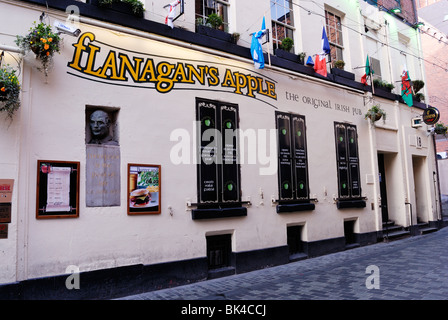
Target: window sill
{"points": [[350, 203], [215, 213], [294, 207]]}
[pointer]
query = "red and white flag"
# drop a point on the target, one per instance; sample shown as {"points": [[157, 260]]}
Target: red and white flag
{"points": [[320, 64], [171, 13]]}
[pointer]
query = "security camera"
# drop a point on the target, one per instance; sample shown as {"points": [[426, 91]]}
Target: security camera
{"points": [[430, 131], [67, 28]]}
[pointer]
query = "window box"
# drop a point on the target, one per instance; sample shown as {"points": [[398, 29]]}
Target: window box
{"points": [[287, 55], [214, 33], [342, 204], [215, 213], [343, 74], [119, 6], [294, 207]]}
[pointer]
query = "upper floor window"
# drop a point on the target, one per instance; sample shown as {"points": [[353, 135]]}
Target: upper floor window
{"points": [[206, 7], [282, 21], [334, 33]]}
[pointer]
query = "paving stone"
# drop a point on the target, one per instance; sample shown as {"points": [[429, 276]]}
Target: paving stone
{"points": [[414, 268]]}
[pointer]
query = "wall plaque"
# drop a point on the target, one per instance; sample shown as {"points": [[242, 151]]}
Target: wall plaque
{"points": [[3, 231], [102, 175], [5, 213], [6, 186]]}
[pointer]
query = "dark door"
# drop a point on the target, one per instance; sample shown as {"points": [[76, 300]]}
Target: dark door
{"points": [[383, 190]]}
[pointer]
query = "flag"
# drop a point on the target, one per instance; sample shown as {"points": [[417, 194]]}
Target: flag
{"points": [[406, 89], [172, 13], [256, 49], [320, 65], [310, 62], [325, 44], [368, 70], [320, 62]]}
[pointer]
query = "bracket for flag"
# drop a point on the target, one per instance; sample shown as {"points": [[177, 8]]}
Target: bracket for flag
{"points": [[181, 11]]}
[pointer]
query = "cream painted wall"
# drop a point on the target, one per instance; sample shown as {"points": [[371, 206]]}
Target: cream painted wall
{"points": [[51, 126]]}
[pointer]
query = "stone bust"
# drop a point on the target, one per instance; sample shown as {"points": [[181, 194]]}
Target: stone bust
{"points": [[100, 128]]}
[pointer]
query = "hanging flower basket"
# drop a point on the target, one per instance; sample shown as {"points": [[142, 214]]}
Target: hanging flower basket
{"points": [[440, 128], [43, 42], [9, 91], [375, 113]]}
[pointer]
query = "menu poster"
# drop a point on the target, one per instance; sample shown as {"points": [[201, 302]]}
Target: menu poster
{"points": [[144, 192], [6, 186], [57, 189]]}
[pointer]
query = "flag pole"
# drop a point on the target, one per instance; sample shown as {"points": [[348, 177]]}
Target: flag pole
{"points": [[269, 43], [371, 78]]}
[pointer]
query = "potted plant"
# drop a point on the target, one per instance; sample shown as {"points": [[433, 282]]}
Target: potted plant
{"points": [[214, 21], [339, 64], [213, 26], [375, 113], [440, 128], [338, 69], [286, 44], [43, 42], [283, 50], [134, 7], [302, 56], [383, 85], [235, 37], [417, 85], [9, 91]]}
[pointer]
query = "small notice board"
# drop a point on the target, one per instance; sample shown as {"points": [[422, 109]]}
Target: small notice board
{"points": [[57, 189]]}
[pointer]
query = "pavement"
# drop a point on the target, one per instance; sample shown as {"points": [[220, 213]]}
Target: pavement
{"points": [[414, 268]]}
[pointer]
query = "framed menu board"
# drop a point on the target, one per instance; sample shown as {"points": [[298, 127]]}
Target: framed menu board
{"points": [[144, 189], [57, 193]]}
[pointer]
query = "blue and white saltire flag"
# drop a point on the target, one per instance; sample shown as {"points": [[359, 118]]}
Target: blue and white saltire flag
{"points": [[325, 44], [256, 48]]}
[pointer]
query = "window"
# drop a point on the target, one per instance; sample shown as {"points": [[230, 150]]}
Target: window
{"points": [[218, 170], [334, 34], [349, 183], [374, 51], [282, 21], [206, 7], [219, 249], [294, 239], [292, 159]]}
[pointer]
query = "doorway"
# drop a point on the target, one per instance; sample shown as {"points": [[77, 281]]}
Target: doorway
{"points": [[420, 188], [383, 189]]}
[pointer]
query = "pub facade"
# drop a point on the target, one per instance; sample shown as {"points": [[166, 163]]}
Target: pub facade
{"points": [[144, 156]]}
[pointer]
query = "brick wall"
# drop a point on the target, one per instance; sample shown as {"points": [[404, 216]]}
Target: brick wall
{"points": [[407, 8], [436, 80]]}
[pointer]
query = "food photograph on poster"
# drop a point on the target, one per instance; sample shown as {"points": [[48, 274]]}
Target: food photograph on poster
{"points": [[143, 189]]}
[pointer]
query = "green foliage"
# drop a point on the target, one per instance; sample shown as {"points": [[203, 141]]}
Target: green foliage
{"points": [[214, 21], [136, 5], [382, 84], [339, 64], [418, 85], [375, 113], [42, 41], [287, 44], [9, 91]]}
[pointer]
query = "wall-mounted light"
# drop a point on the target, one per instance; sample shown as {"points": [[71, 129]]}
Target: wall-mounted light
{"points": [[419, 24], [396, 10]]}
